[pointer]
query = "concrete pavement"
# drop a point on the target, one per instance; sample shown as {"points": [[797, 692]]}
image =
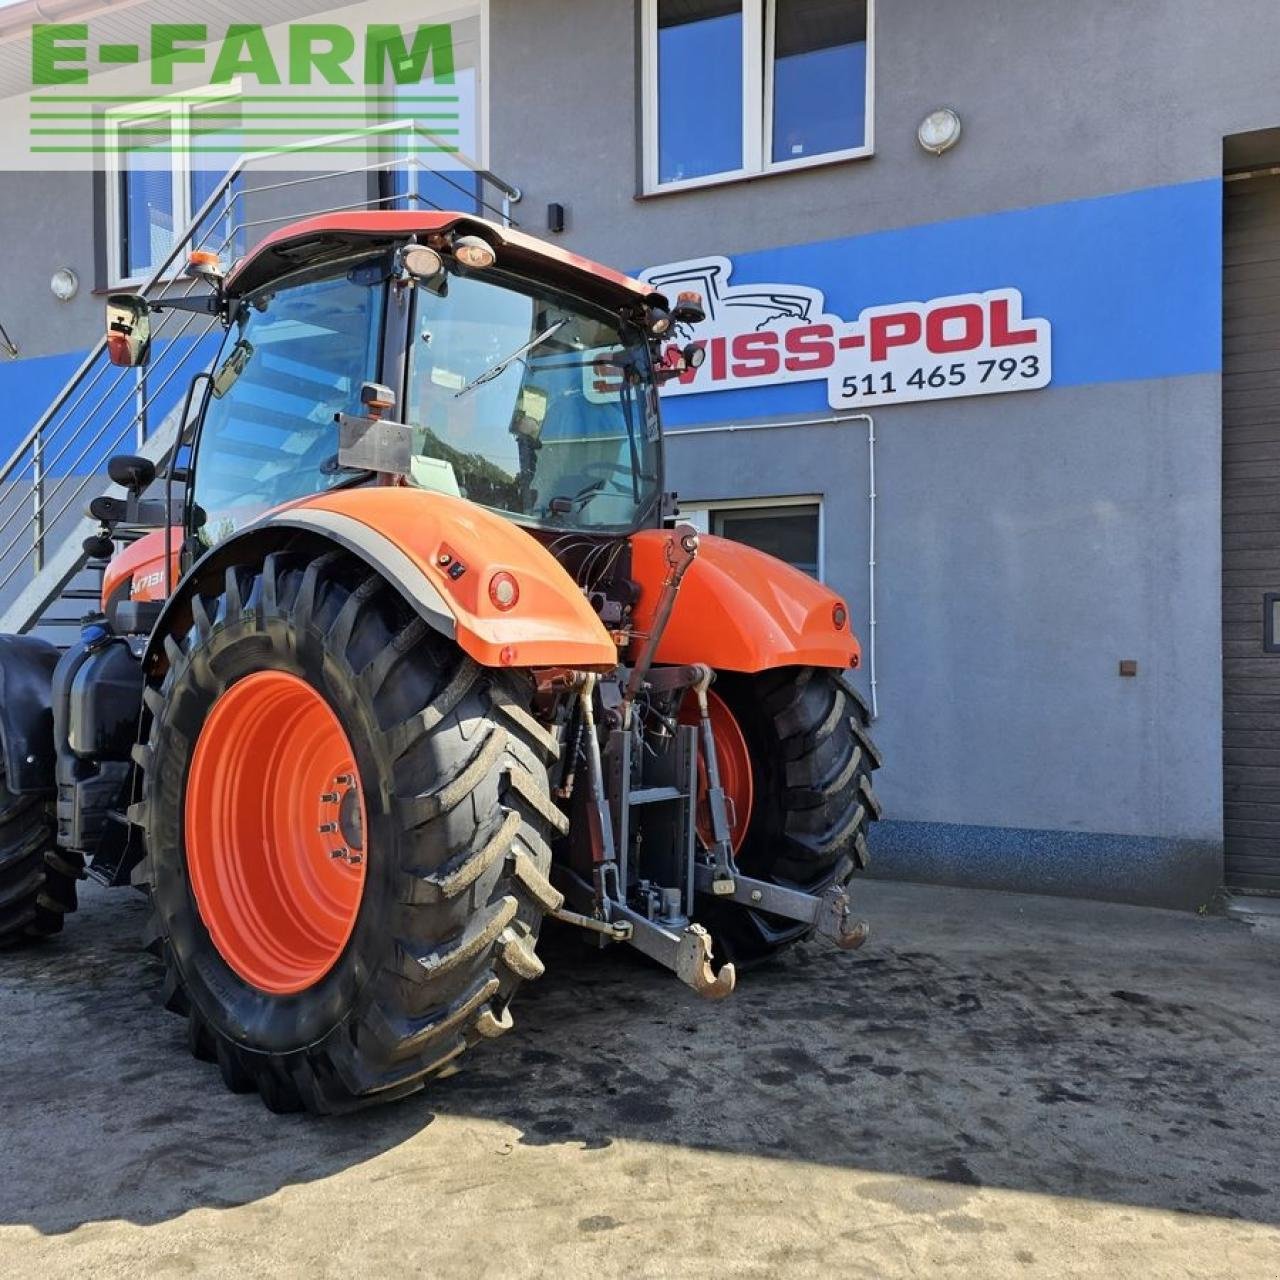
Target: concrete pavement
{"points": [[995, 1086]]}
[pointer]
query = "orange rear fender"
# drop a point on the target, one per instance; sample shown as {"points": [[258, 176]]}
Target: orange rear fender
{"points": [[741, 610], [445, 553]]}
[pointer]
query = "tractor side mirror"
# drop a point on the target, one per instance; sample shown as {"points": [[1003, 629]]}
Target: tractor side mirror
{"points": [[128, 330], [530, 414]]}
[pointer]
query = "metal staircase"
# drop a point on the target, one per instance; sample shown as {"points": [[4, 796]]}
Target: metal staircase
{"points": [[46, 578]]}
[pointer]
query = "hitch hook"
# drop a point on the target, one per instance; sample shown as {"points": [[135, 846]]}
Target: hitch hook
{"points": [[693, 965], [833, 921]]}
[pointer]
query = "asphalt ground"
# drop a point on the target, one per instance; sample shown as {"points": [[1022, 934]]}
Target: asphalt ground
{"points": [[995, 1085]]}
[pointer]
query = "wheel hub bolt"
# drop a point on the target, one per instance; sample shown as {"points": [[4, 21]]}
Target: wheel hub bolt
{"points": [[349, 820]]}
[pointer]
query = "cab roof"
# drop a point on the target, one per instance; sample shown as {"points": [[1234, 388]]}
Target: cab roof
{"points": [[313, 239]]}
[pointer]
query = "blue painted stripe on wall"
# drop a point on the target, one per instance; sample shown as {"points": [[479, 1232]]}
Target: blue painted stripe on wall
{"points": [[1131, 283], [28, 386], [1151, 870]]}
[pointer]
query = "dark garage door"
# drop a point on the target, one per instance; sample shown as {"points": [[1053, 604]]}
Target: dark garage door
{"points": [[1251, 531]]}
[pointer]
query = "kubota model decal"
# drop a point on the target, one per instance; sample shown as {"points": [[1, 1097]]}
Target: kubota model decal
{"points": [[967, 344]]}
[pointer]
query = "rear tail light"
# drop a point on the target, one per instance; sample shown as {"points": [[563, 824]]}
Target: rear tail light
{"points": [[504, 590], [118, 349], [839, 615]]}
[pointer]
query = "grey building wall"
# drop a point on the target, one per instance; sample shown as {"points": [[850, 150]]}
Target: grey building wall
{"points": [[1059, 101], [48, 221], [1011, 581], [53, 220], [1026, 543]]}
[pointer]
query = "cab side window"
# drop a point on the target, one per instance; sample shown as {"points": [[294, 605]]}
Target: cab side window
{"points": [[295, 359]]}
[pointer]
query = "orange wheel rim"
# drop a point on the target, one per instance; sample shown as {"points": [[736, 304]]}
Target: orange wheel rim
{"points": [[275, 832], [733, 759]]}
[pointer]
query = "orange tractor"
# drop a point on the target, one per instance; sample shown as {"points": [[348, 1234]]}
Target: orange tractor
{"points": [[416, 654]]}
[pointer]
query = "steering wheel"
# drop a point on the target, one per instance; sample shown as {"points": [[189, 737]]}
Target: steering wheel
{"points": [[608, 472], [321, 456], [330, 466]]}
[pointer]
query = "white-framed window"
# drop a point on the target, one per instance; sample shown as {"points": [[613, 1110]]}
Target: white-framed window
{"points": [[737, 88], [164, 157], [789, 528], [440, 180]]}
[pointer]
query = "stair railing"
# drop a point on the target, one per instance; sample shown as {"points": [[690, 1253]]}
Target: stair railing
{"points": [[59, 461]]}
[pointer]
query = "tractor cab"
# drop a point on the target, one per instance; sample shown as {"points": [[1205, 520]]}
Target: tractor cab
{"points": [[529, 392], [521, 398]]}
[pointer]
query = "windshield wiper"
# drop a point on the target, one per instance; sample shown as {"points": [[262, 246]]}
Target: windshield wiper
{"points": [[498, 369]]}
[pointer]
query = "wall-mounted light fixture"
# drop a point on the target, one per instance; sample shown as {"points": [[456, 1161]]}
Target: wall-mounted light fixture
{"points": [[64, 284], [939, 131]]}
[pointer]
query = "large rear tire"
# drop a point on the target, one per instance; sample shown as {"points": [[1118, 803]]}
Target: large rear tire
{"points": [[449, 773], [811, 799], [37, 880]]}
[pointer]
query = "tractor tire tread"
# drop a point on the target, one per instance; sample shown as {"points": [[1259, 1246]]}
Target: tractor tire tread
{"points": [[807, 728], [466, 862]]}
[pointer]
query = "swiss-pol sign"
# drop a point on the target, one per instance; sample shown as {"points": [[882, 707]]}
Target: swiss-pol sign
{"points": [[968, 344]]}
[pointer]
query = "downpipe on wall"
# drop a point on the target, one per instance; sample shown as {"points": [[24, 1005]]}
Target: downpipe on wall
{"points": [[831, 420]]}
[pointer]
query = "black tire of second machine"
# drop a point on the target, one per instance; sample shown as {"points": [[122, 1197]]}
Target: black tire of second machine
{"points": [[37, 880]]}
